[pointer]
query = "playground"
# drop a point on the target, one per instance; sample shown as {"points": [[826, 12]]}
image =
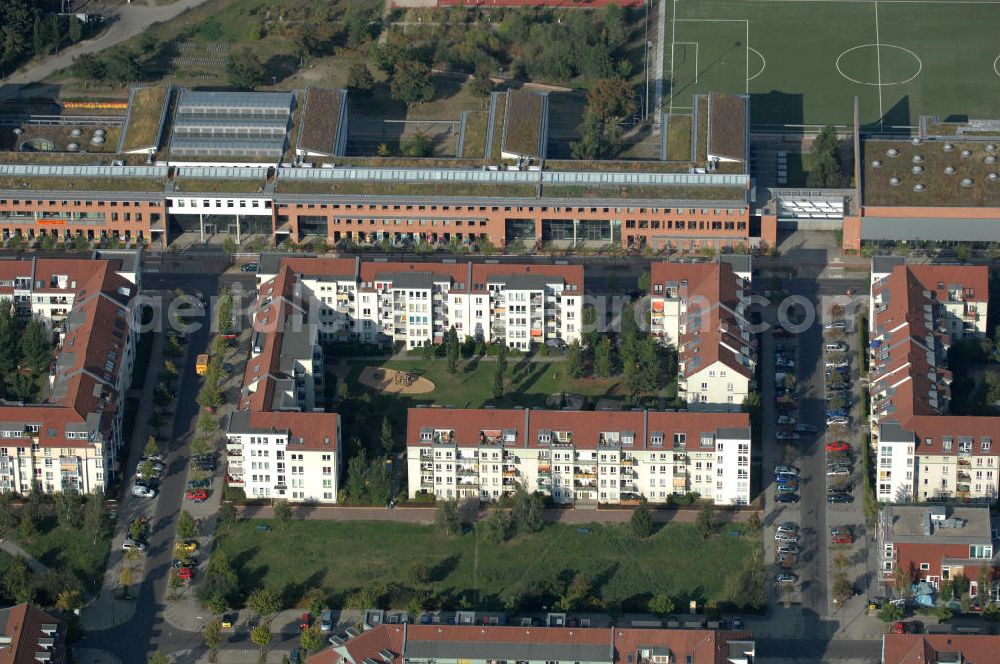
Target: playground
{"points": [[395, 381]]}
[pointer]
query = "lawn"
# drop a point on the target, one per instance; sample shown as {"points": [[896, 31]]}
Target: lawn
{"points": [[342, 557], [804, 62], [474, 145], [144, 117], [528, 384], [679, 138]]}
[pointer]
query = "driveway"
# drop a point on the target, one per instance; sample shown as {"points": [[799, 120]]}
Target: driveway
{"points": [[127, 22]]}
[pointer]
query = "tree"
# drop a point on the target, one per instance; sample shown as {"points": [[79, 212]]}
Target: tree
{"points": [[527, 511], [228, 516], [245, 70], [706, 523], [379, 482], [748, 587], [95, 518], [446, 518], [147, 470], [8, 519], [417, 574], [282, 513], [662, 605], [385, 436], [574, 360], [151, 448], [9, 337], [890, 613], [357, 477], [311, 639], [901, 577], [159, 658], [984, 584], [68, 508], [411, 82], [186, 526], [75, 29], [225, 308], [69, 600], [496, 528], [843, 589], [212, 634], [642, 519], [604, 363], [576, 594], [498, 384], [359, 79], [19, 581], [261, 635], [358, 26], [825, 171], [262, 602], [453, 349], [611, 100], [943, 613], [482, 83], [36, 346]]}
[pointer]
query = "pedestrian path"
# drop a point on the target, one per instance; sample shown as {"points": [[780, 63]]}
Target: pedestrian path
{"points": [[13, 549]]}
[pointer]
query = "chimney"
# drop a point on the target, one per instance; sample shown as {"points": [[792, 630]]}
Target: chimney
{"points": [[926, 523]]}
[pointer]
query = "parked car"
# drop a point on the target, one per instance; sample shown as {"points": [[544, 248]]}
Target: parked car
{"points": [[784, 364], [155, 458], [805, 428], [196, 495], [787, 435], [839, 498], [203, 483], [842, 488], [189, 561], [836, 325], [425, 619], [906, 627], [842, 538], [836, 364], [786, 538], [836, 347], [249, 267], [789, 548], [184, 573], [132, 545], [141, 491], [836, 412], [787, 488], [786, 419], [186, 546], [838, 471], [788, 527], [326, 621], [305, 620], [786, 479], [786, 579], [786, 498], [837, 421], [786, 470]]}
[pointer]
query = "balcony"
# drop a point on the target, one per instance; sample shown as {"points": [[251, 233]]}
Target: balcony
{"points": [[511, 473], [964, 461], [426, 481], [628, 462], [427, 466], [467, 472], [545, 471], [964, 476]]}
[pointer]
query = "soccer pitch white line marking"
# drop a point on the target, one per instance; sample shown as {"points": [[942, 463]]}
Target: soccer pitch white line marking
{"points": [[763, 64], [673, 37], [996, 65], [878, 64], [661, 30], [697, 48]]}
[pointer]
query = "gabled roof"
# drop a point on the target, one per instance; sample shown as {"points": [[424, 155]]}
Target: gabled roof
{"points": [[935, 648], [30, 631]]}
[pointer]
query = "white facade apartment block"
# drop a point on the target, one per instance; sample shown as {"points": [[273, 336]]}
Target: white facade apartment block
{"points": [[617, 466], [719, 386]]}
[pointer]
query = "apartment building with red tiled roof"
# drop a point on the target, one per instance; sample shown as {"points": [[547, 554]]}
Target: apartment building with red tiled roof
{"points": [[699, 309], [939, 649], [578, 457], [417, 303], [924, 453], [29, 636], [474, 644], [71, 438]]}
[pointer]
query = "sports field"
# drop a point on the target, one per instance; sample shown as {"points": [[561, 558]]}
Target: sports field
{"points": [[804, 61]]}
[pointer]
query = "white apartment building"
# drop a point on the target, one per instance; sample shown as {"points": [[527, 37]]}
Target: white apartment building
{"points": [[579, 457], [923, 452], [71, 440], [292, 456], [699, 309], [417, 303]]}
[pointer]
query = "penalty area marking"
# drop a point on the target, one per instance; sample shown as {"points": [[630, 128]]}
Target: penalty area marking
{"points": [[697, 49], [879, 84], [763, 63], [996, 65]]}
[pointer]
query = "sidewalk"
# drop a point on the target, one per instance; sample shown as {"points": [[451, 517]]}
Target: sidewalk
{"points": [[16, 551], [425, 515], [105, 611]]}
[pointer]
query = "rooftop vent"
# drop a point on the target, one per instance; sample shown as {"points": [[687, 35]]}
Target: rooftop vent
{"points": [[915, 140], [917, 170], [949, 170], [892, 152], [876, 164], [894, 181], [966, 153], [967, 182], [948, 147], [918, 187], [918, 159], [992, 176], [991, 148], [76, 133], [990, 159]]}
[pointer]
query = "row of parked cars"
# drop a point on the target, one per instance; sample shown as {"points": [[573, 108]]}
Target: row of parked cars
{"points": [[787, 548], [839, 461]]}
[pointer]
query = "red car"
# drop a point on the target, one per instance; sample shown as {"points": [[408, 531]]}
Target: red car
{"points": [[304, 621], [843, 538], [197, 495], [904, 628], [184, 574], [837, 446]]}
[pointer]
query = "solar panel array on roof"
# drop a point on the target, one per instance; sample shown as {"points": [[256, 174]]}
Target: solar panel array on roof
{"points": [[224, 172], [54, 170], [231, 124]]}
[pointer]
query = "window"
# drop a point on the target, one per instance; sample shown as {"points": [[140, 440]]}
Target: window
{"points": [[925, 566]]}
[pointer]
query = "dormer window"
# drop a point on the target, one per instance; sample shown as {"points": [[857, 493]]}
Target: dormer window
{"points": [[545, 437], [656, 439], [426, 435]]}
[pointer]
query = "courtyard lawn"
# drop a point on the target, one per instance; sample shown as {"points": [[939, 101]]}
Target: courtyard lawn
{"points": [[526, 573], [80, 554], [527, 384]]}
